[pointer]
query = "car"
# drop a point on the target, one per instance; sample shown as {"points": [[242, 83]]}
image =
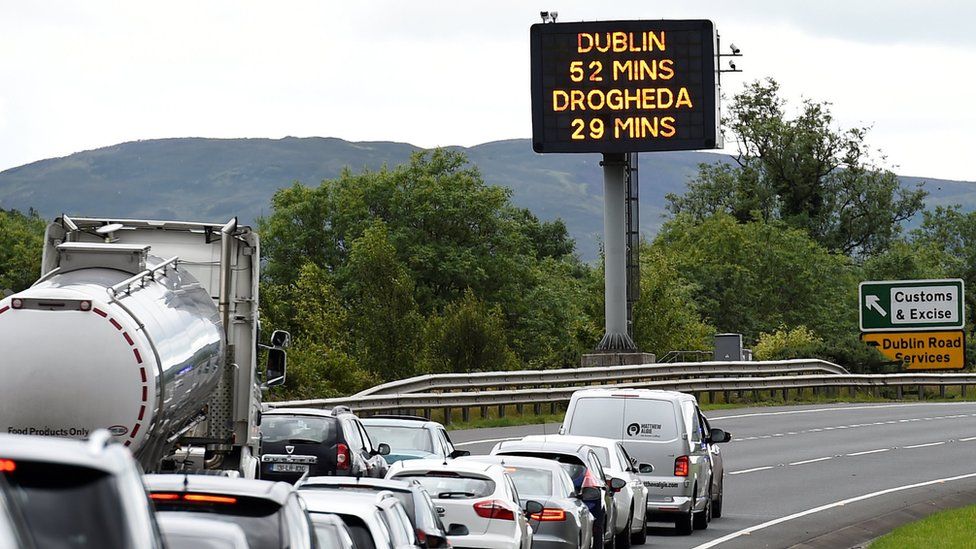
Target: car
{"points": [[70, 490], [331, 532], [663, 429], [565, 521], [630, 502], [300, 441], [718, 465], [13, 527], [412, 495], [584, 467], [375, 520], [481, 504], [411, 437], [270, 513], [193, 532]]}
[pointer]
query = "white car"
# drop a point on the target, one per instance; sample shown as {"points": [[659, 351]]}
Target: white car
{"points": [[631, 501], [373, 519], [480, 502], [195, 532]]}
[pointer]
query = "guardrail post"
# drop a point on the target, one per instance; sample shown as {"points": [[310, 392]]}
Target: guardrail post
{"points": [[962, 390], [786, 394], [447, 416], [465, 414], [501, 410], [518, 409], [898, 392], [537, 408], [941, 391], [727, 395], [921, 392], [484, 412]]}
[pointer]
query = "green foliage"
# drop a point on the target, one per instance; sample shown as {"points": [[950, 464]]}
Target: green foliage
{"points": [[21, 243], [755, 277], [667, 317], [785, 344], [802, 171], [469, 336]]}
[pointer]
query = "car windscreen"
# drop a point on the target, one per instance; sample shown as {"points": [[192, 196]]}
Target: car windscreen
{"points": [[453, 485], [405, 497], [297, 429], [531, 482], [67, 506], [260, 519], [401, 438], [572, 464]]}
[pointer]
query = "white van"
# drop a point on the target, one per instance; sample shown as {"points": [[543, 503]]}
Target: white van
{"points": [[664, 429]]}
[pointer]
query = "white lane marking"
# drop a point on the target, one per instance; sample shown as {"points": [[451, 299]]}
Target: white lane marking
{"points": [[926, 445], [485, 440], [753, 470], [841, 408], [866, 452], [774, 522], [814, 460], [967, 439], [853, 426]]}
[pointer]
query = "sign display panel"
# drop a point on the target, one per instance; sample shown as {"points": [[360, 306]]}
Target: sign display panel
{"points": [[921, 350], [899, 305], [624, 86]]}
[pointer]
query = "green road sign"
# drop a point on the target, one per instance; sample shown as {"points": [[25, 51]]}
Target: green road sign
{"points": [[897, 305]]}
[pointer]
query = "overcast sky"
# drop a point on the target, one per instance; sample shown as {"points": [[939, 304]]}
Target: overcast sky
{"points": [[77, 75]]}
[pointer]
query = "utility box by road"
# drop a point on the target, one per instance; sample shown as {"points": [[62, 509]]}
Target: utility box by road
{"points": [[728, 347]]}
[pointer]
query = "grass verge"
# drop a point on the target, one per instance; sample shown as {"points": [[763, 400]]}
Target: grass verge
{"points": [[945, 530]]}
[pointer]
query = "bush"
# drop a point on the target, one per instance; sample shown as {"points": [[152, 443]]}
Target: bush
{"points": [[784, 344]]}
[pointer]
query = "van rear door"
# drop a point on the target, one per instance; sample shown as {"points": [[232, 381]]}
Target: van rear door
{"points": [[651, 433]]}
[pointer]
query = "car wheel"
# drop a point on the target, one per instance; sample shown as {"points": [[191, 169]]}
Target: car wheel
{"points": [[598, 530], [717, 503], [640, 537], [703, 517], [685, 524], [622, 540]]}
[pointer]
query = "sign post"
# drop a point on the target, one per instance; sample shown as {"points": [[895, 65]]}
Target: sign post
{"points": [[917, 322], [618, 87]]}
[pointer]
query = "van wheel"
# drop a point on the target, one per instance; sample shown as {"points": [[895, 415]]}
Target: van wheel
{"points": [[622, 540], [703, 517], [717, 502], [685, 524]]}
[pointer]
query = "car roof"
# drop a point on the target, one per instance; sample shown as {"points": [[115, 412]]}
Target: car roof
{"points": [[198, 525], [351, 503], [574, 439], [568, 448], [378, 483], [455, 465], [627, 392], [516, 461], [99, 454], [317, 412], [419, 423], [277, 492]]}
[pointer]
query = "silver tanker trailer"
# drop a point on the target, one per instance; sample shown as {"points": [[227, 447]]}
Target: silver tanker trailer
{"points": [[148, 329]]}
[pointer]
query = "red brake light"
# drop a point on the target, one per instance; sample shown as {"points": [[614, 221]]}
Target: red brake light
{"points": [[493, 509], [681, 466], [590, 480], [342, 456], [7, 466], [164, 497], [421, 536], [548, 514]]}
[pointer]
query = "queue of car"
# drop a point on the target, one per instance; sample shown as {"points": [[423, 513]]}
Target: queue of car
{"points": [[329, 479]]}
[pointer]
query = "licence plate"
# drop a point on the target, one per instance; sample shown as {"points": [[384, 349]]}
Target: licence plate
{"points": [[289, 467]]}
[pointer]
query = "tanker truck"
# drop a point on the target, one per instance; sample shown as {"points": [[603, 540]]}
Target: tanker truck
{"points": [[148, 329]]}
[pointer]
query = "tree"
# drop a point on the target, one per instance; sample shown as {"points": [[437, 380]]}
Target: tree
{"points": [[804, 172], [468, 337], [21, 244], [385, 325], [754, 277]]}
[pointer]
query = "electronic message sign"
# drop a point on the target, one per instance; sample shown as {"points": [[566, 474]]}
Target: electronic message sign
{"points": [[624, 86]]}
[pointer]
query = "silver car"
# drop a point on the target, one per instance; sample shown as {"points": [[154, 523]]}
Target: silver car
{"points": [[630, 502], [565, 522], [663, 429]]}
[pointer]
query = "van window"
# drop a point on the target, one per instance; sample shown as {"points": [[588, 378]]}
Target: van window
{"points": [[691, 420], [647, 419], [597, 417]]}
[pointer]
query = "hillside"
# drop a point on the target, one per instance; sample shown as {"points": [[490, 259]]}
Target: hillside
{"points": [[214, 179]]}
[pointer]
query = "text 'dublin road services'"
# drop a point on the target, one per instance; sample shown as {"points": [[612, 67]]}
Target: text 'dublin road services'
{"points": [[921, 350], [624, 86]]}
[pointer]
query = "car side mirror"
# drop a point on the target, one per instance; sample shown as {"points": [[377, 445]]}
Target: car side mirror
{"points": [[277, 362], [590, 493], [617, 484], [459, 453], [457, 530], [383, 449], [645, 468], [533, 507], [718, 435]]}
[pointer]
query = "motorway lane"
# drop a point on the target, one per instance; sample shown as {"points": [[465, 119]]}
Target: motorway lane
{"points": [[787, 460]]}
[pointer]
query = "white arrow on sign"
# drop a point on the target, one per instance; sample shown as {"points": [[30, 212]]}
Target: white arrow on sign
{"points": [[872, 302]]}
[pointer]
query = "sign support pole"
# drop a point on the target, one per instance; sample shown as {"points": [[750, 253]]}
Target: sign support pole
{"points": [[616, 338]]}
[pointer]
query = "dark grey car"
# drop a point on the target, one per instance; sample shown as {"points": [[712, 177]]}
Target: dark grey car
{"points": [[566, 521]]}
